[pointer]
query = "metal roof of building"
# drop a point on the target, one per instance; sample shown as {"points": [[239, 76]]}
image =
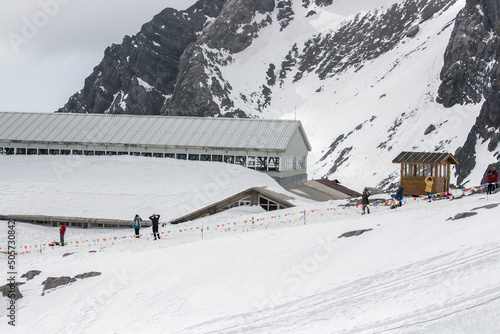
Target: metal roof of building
{"points": [[234, 133], [425, 157]]}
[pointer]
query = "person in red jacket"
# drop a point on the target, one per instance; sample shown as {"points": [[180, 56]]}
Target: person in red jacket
{"points": [[62, 230], [495, 177]]}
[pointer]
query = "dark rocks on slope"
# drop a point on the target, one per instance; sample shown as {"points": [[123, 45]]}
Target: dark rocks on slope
{"points": [[31, 274], [232, 31], [471, 73], [463, 215], [354, 233], [87, 275], [365, 38], [12, 290], [54, 282]]}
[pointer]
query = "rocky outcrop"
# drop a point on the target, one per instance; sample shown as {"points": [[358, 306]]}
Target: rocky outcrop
{"points": [[365, 38], [139, 75], [471, 74], [12, 291], [201, 89], [354, 233], [87, 275], [54, 282], [31, 274], [462, 215]]}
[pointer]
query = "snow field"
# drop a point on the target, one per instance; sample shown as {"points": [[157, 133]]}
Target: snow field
{"points": [[414, 272]]}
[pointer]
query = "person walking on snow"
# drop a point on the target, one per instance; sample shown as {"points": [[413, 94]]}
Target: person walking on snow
{"points": [[62, 230], [399, 196], [365, 202], [137, 225], [428, 186], [155, 218], [489, 181]]}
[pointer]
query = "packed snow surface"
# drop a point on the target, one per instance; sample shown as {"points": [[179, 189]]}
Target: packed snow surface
{"points": [[415, 271], [121, 187]]}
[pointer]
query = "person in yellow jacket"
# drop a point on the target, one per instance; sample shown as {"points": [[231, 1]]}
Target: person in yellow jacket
{"points": [[428, 186]]}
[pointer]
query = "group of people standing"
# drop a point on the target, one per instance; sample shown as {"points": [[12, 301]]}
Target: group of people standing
{"points": [[155, 221], [492, 180]]}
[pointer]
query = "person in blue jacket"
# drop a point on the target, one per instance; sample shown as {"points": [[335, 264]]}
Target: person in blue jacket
{"points": [[137, 225], [399, 196]]}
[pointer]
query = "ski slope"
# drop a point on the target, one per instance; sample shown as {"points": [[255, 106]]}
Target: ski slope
{"points": [[414, 272]]}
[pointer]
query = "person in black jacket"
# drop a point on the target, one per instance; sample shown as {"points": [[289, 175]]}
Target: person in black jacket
{"points": [[155, 218], [399, 196], [365, 202]]}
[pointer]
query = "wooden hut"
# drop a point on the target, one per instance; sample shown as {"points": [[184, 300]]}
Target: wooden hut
{"points": [[416, 166]]}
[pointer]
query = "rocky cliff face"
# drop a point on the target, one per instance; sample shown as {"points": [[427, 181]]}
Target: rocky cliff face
{"points": [[471, 74], [139, 75]]}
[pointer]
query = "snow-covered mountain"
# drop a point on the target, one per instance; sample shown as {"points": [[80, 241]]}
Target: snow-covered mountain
{"points": [[368, 78]]}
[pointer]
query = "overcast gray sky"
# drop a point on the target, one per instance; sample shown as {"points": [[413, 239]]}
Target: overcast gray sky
{"points": [[49, 47]]}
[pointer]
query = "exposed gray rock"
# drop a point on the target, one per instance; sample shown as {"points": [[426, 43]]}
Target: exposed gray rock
{"points": [[463, 215], [354, 233], [12, 289], [471, 74], [488, 206], [429, 129], [413, 31], [31, 274], [54, 282], [87, 275], [68, 254]]}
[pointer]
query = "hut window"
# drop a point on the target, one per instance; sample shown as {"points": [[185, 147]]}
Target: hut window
{"points": [[205, 157], [20, 151], [415, 170], [32, 151], [194, 157], [158, 155], [431, 170], [423, 170], [77, 152], [406, 170], [169, 155], [65, 152], [229, 159], [122, 153], [43, 151]]}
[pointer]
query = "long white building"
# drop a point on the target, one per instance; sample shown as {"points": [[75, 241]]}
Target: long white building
{"points": [[276, 147]]}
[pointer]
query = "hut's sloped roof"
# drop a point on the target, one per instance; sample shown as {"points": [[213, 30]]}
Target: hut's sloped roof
{"points": [[196, 132], [425, 158]]}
